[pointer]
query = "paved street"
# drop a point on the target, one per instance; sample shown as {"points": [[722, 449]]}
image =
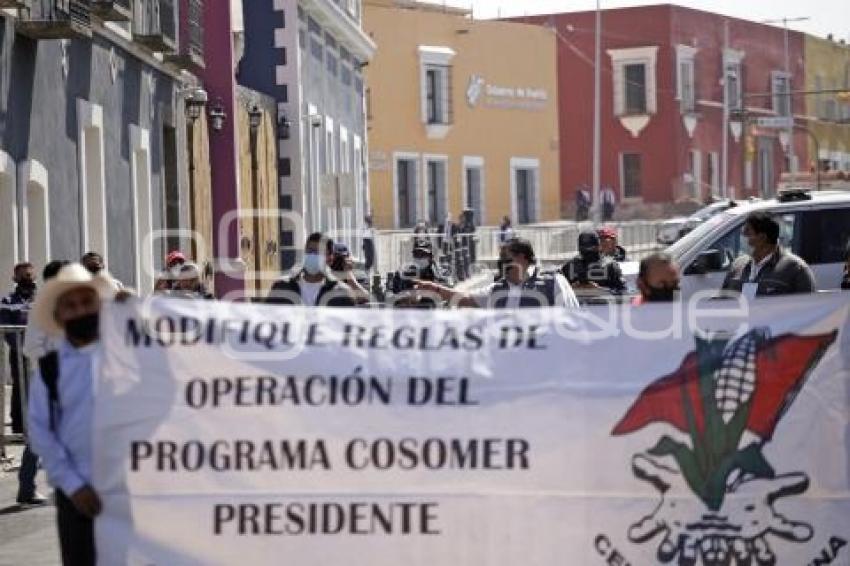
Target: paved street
{"points": [[27, 537]]}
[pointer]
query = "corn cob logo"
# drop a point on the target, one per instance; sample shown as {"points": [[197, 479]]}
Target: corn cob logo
{"points": [[727, 397]]}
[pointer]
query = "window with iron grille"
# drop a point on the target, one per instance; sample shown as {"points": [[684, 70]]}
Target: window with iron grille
{"points": [[330, 41], [330, 58], [733, 86], [686, 86], [196, 26], [438, 94], [631, 175], [635, 77], [314, 26], [781, 93], [316, 48]]}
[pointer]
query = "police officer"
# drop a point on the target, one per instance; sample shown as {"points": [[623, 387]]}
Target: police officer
{"points": [[403, 282], [590, 269], [523, 286]]}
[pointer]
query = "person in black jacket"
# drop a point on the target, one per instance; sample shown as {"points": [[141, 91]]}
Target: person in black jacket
{"points": [[845, 281], [590, 269], [315, 284]]}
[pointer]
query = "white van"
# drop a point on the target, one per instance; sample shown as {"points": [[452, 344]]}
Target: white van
{"points": [[814, 226]]}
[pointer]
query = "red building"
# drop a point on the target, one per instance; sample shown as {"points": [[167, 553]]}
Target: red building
{"points": [[663, 105]]}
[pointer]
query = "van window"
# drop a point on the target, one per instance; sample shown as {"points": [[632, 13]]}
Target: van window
{"points": [[825, 235], [733, 244]]}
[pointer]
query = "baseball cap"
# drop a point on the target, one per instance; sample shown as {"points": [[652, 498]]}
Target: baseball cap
{"points": [[607, 232], [588, 240]]}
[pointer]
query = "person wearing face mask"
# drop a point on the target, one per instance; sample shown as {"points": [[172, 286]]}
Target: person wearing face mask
{"points": [[14, 310], [769, 270], [316, 285], [403, 283], [61, 402], [591, 270], [188, 283], [523, 286], [658, 279], [94, 263]]}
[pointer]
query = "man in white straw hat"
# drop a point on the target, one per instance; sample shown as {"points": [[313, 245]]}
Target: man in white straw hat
{"points": [[61, 401]]}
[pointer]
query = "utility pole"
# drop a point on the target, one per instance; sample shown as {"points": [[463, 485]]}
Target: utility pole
{"points": [[724, 166], [792, 161], [597, 120]]}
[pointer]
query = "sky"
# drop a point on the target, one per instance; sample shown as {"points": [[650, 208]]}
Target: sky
{"points": [[827, 16]]}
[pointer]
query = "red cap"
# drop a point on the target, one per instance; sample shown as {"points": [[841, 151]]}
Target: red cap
{"points": [[607, 232], [174, 256]]}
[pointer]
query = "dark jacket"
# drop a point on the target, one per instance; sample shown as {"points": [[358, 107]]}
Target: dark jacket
{"points": [[332, 294], [845, 282], [784, 274], [540, 285], [14, 311], [605, 272]]}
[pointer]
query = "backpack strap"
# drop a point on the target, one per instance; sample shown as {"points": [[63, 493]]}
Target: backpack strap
{"points": [[48, 365]]}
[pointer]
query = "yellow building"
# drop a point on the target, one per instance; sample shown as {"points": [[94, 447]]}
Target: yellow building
{"points": [[462, 113], [828, 68]]}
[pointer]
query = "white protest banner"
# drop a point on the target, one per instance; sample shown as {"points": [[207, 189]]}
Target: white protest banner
{"points": [[244, 434]]}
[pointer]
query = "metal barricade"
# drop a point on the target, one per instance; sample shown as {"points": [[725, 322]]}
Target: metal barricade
{"points": [[554, 242], [15, 334]]}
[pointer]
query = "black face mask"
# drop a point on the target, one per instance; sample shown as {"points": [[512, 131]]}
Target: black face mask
{"points": [[83, 329], [590, 256], [661, 294], [27, 287]]}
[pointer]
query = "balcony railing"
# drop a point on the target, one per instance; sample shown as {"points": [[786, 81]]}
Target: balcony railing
{"points": [[14, 3], [113, 10], [155, 25], [191, 52], [56, 19]]}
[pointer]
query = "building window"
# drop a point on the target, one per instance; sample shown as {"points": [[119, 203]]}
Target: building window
{"points": [[406, 184], [733, 76], [316, 48], [733, 87], [635, 88], [634, 80], [685, 84], [714, 173], [331, 61], [436, 194], [525, 183], [436, 88], [473, 187], [781, 93], [302, 38], [437, 99], [630, 175], [694, 177]]}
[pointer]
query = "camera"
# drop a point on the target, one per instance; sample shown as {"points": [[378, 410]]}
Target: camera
{"points": [[340, 257], [404, 280]]}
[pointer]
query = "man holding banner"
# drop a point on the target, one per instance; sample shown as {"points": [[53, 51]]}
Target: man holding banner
{"points": [[61, 401]]}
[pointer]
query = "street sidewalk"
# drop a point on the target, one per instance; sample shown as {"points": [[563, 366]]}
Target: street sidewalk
{"points": [[27, 536]]}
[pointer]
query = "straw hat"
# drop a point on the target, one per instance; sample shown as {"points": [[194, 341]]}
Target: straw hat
{"points": [[72, 276]]}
